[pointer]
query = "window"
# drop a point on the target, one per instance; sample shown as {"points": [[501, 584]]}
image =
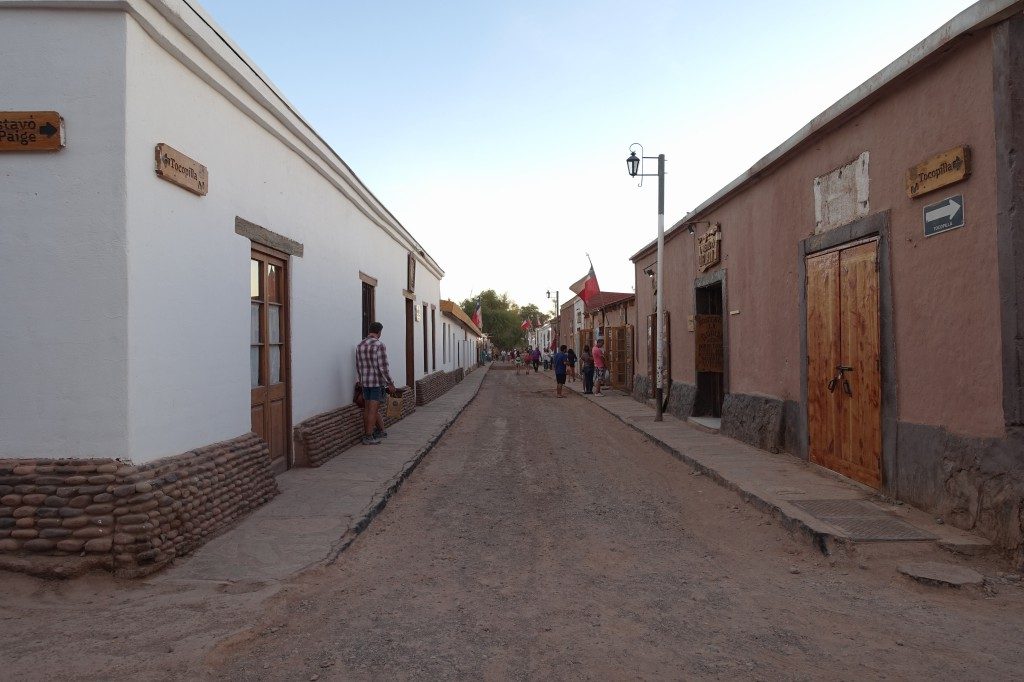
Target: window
{"points": [[368, 307]]}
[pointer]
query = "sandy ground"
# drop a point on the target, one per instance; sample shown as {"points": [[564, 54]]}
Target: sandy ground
{"points": [[541, 539]]}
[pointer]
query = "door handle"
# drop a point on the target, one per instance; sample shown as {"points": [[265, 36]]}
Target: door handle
{"points": [[843, 368]]}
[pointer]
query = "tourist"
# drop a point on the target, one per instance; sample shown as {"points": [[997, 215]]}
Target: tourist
{"points": [[587, 362], [560, 362], [375, 376], [535, 358], [600, 367], [571, 355]]}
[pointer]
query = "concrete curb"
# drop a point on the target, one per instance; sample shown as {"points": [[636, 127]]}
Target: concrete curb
{"points": [[380, 501]]}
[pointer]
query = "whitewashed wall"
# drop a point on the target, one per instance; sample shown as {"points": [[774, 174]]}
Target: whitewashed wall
{"points": [[63, 330], [129, 332]]}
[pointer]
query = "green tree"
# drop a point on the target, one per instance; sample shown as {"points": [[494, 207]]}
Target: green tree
{"points": [[501, 318], [533, 314]]}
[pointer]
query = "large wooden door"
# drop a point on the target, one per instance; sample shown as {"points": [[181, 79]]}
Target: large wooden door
{"points": [[410, 350], [619, 351], [844, 387], [269, 365]]}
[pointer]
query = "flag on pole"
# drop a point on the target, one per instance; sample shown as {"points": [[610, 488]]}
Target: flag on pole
{"points": [[587, 287], [525, 325], [478, 317]]}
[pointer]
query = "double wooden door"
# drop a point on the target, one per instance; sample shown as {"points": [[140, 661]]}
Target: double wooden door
{"points": [[844, 386], [619, 354], [269, 365]]}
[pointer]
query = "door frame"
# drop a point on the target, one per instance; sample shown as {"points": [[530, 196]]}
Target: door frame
{"points": [[874, 225], [715, 277], [286, 361]]}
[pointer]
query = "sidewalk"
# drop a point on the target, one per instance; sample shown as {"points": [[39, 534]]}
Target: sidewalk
{"points": [[832, 510], [321, 511]]}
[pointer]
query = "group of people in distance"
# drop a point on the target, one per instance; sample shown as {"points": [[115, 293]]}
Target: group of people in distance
{"points": [[592, 360]]}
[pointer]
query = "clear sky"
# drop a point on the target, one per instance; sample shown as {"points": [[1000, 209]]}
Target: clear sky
{"points": [[497, 132]]}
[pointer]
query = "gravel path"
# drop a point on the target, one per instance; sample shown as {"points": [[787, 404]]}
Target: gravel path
{"points": [[542, 539]]}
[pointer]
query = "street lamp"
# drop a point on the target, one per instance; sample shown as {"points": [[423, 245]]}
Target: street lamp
{"points": [[634, 165], [557, 317]]}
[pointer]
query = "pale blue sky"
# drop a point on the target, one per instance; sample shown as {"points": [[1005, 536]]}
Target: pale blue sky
{"points": [[497, 132]]}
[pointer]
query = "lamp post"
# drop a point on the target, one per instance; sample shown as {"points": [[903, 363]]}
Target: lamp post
{"points": [[557, 317], [633, 166]]}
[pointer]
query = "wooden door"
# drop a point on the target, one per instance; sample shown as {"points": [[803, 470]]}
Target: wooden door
{"points": [[619, 352], [269, 356], [844, 388], [410, 350]]}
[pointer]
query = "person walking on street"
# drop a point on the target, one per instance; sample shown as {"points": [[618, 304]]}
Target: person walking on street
{"points": [[571, 355], [546, 358], [587, 362], [375, 376], [535, 357], [600, 368], [560, 361]]}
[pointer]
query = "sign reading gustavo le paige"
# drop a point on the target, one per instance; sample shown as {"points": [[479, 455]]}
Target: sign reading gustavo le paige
{"points": [[947, 214], [31, 131]]}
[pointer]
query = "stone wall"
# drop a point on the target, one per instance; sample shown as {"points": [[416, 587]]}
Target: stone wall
{"points": [[60, 516], [754, 419], [974, 483], [680, 399], [642, 387], [328, 434], [433, 386]]}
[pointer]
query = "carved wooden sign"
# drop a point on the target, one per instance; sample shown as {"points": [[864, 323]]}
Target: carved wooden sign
{"points": [[709, 249], [31, 131], [709, 344], [182, 170], [939, 171]]}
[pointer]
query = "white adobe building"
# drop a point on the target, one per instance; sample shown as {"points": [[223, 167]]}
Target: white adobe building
{"points": [[125, 330]]}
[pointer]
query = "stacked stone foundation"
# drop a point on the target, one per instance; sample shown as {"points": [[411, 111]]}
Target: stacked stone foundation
{"points": [[64, 515], [433, 386], [327, 435]]}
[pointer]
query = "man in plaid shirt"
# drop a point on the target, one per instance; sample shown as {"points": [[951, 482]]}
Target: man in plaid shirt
{"points": [[375, 378]]}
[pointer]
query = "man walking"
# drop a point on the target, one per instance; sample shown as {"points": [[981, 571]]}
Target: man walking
{"points": [[375, 376], [600, 369], [559, 362]]}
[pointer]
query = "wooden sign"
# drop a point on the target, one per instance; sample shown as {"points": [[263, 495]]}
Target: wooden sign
{"points": [[710, 344], [411, 278], [709, 251], [31, 131], [183, 171], [939, 171]]}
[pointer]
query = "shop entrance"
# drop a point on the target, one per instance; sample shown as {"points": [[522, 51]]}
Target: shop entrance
{"points": [[843, 369], [269, 352], [709, 351], [619, 352]]}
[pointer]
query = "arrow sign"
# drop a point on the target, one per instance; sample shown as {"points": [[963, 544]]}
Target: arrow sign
{"points": [[48, 129], [947, 214]]}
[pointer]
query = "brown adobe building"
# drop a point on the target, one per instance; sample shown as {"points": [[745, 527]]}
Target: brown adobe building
{"points": [[611, 315], [856, 298]]}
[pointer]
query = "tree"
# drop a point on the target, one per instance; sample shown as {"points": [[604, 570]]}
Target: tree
{"points": [[533, 314], [501, 318]]}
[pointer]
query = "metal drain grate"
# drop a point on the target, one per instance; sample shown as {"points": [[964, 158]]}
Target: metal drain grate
{"points": [[862, 520]]}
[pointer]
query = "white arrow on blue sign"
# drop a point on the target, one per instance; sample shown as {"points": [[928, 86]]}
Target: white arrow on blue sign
{"points": [[947, 214]]}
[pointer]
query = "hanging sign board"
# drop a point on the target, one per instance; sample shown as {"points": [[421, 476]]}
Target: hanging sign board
{"points": [[709, 248], [947, 214], [31, 131], [182, 170], [939, 171], [709, 342]]}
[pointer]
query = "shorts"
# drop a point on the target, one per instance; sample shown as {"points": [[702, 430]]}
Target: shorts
{"points": [[600, 374], [373, 393], [560, 378]]}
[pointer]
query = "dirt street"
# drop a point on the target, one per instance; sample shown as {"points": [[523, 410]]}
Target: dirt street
{"points": [[543, 539]]}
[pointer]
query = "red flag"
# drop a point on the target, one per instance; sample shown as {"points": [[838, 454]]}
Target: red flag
{"points": [[587, 287], [525, 324], [478, 317]]}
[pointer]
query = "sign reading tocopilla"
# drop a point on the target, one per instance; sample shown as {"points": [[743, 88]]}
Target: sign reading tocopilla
{"points": [[947, 214], [31, 131], [939, 171], [183, 171]]}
